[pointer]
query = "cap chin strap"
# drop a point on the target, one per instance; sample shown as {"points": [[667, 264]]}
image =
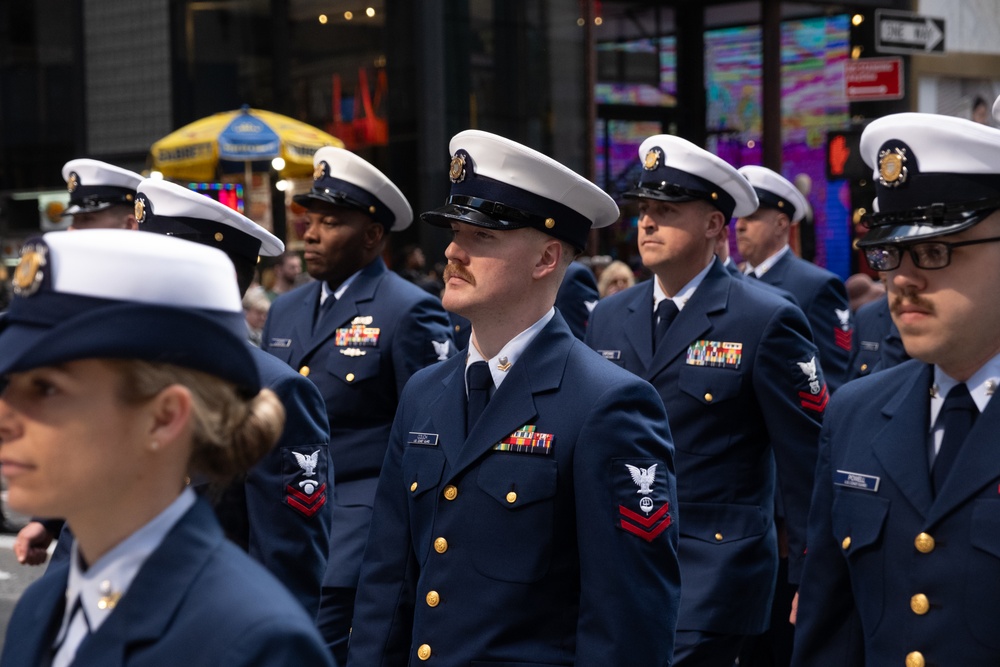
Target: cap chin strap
{"points": [[938, 214]]}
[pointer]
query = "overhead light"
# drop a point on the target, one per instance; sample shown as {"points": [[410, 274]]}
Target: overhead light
{"points": [[282, 185], [156, 175], [370, 11], [348, 15], [857, 19], [598, 20], [278, 163], [322, 19], [580, 22]]}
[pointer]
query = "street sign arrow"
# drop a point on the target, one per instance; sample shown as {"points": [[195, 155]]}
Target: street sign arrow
{"points": [[905, 32]]}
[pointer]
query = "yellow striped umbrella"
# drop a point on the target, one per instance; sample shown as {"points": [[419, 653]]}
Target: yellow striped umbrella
{"points": [[242, 136]]}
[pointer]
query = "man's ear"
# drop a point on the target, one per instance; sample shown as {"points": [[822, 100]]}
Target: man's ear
{"points": [[716, 224], [549, 259], [374, 234]]}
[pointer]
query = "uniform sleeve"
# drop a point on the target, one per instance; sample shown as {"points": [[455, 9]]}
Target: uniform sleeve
{"points": [[577, 296], [792, 394], [627, 533], [833, 337], [828, 631], [383, 612], [423, 337], [289, 532]]}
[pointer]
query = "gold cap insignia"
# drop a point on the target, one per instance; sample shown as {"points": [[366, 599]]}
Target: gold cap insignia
{"points": [[319, 171], [73, 181], [653, 159], [28, 274], [892, 167], [456, 170], [140, 211]]}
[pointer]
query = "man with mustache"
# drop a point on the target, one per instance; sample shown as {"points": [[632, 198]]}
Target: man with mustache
{"points": [[743, 387], [358, 332], [903, 565], [526, 510]]}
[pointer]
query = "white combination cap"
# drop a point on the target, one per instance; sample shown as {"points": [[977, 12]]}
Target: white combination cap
{"points": [[343, 179], [94, 185], [775, 191]]}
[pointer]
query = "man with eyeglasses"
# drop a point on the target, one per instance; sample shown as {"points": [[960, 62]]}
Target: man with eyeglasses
{"points": [[903, 566]]}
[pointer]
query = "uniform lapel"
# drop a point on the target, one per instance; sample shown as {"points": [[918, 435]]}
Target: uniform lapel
{"points": [[33, 643], [638, 323], [976, 465], [150, 605], [539, 369], [901, 445], [776, 274], [711, 296], [361, 291], [302, 327], [449, 421]]}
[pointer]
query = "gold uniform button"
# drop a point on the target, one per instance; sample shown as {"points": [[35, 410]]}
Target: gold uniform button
{"points": [[915, 659], [433, 599], [511, 497], [708, 398], [218, 236], [424, 652], [924, 543], [440, 545], [304, 371], [846, 543], [450, 492], [718, 537], [350, 377], [864, 367], [920, 604], [413, 487]]}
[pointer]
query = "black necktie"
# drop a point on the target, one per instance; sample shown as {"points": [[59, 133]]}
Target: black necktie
{"points": [[322, 309], [958, 414], [479, 381], [666, 311]]}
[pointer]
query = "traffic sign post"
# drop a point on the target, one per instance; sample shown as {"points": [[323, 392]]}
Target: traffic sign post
{"points": [[908, 33], [873, 79]]}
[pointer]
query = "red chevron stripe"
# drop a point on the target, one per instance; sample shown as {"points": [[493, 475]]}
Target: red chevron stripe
{"points": [[649, 535], [842, 338], [641, 520], [308, 511], [308, 500]]}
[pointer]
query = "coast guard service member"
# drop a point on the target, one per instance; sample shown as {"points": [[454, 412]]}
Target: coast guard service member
{"points": [[741, 380], [121, 376], [101, 195], [904, 548], [358, 332], [280, 512], [526, 510], [762, 239]]}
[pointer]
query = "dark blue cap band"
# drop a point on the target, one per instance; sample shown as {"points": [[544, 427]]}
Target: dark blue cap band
{"points": [[672, 184], [341, 193], [771, 200]]}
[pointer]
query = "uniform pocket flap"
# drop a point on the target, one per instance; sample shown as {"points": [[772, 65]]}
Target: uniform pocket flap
{"points": [[709, 385], [720, 523], [858, 518], [515, 480]]}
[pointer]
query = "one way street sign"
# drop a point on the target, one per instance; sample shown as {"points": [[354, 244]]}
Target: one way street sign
{"points": [[906, 32]]}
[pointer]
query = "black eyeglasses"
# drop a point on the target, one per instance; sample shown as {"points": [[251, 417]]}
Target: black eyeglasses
{"points": [[929, 255]]}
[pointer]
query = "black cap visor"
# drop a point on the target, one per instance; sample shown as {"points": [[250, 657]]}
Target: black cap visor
{"points": [[925, 222]]}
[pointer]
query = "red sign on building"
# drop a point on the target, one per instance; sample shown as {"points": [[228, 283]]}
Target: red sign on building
{"points": [[870, 79]]}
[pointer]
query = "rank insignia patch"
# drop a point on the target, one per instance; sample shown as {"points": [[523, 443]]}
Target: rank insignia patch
{"points": [[357, 334], [526, 440], [643, 507], [817, 397], [304, 480], [715, 354], [842, 335]]}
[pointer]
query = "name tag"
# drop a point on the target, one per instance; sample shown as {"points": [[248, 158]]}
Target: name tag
{"points": [[280, 342], [855, 480], [869, 345], [613, 355], [428, 439]]}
